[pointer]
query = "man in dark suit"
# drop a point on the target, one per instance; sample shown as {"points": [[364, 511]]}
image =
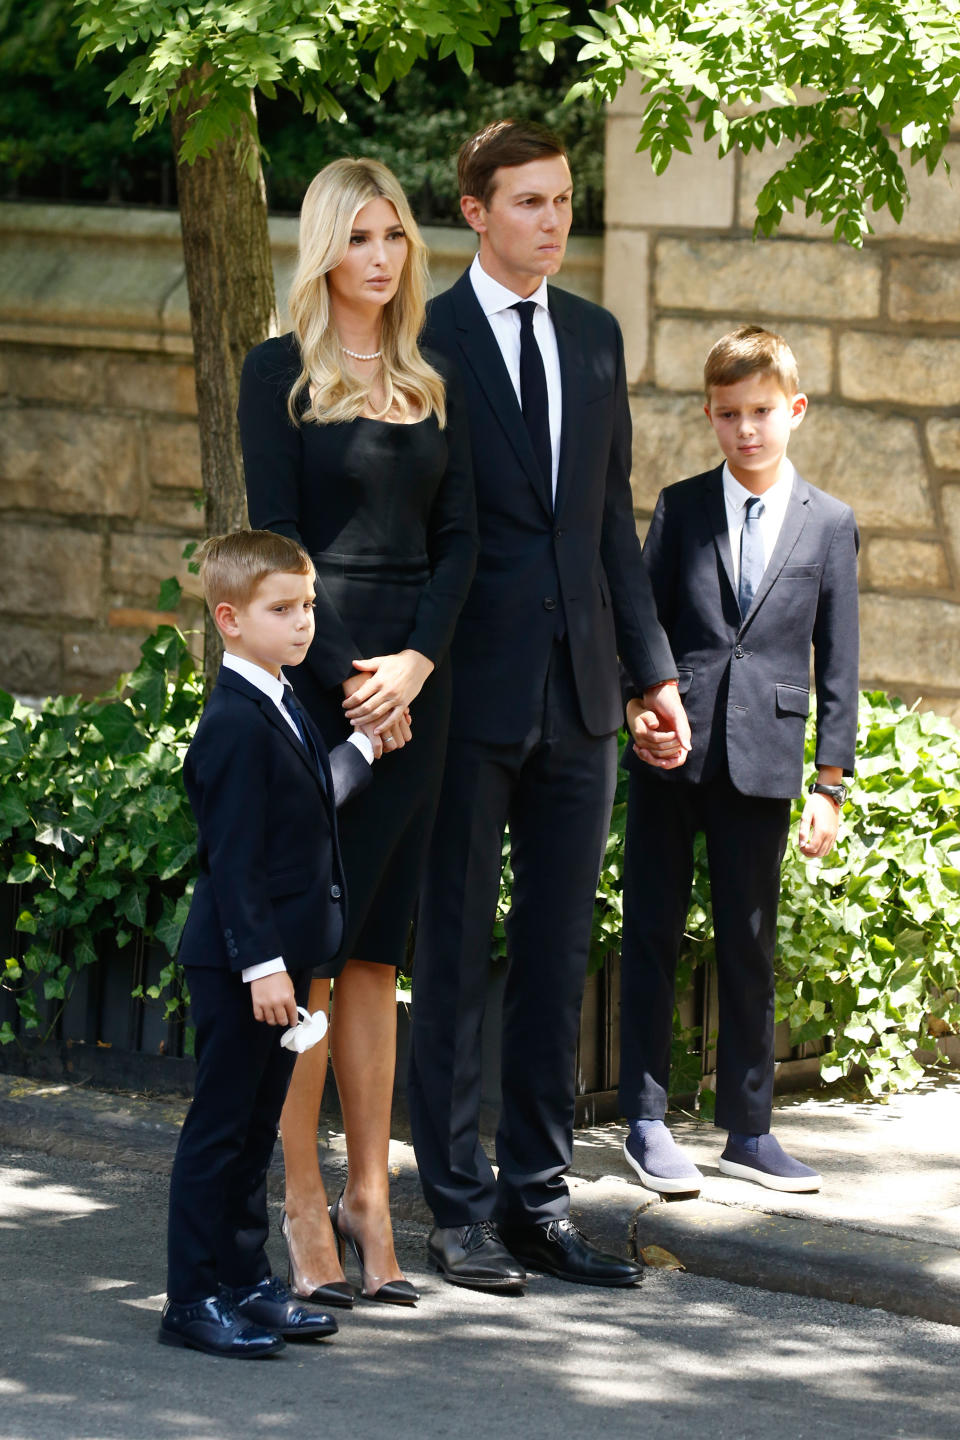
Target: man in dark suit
{"points": [[750, 566], [268, 905], [560, 589]]}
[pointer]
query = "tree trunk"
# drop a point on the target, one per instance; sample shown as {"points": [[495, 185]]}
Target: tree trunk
{"points": [[226, 251]]}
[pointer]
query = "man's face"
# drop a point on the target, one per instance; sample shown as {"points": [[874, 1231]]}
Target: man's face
{"points": [[523, 230]]}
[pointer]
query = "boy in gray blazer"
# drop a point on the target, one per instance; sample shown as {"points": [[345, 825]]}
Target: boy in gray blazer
{"points": [[750, 567]]}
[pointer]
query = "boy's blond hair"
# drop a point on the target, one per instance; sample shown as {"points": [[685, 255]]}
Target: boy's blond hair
{"points": [[751, 350], [232, 566]]}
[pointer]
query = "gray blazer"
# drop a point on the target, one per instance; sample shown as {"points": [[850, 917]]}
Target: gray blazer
{"points": [[746, 682]]}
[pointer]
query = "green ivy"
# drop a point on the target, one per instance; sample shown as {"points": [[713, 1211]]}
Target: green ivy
{"points": [[95, 824], [868, 946]]}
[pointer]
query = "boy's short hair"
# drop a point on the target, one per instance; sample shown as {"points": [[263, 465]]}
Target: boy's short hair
{"points": [[751, 350], [232, 566], [504, 144]]}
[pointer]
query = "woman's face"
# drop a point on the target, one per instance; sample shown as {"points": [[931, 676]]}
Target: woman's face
{"points": [[369, 273]]}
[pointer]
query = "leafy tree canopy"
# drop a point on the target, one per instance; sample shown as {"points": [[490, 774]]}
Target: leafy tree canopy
{"points": [[851, 88]]}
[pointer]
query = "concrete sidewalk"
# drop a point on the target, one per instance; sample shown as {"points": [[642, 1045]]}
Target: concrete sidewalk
{"points": [[884, 1231]]}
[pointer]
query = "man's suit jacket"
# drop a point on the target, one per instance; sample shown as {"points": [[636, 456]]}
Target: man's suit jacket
{"points": [[271, 882], [576, 563], [746, 682]]}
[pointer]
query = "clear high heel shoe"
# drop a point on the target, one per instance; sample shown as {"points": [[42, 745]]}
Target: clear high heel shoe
{"points": [[391, 1292], [335, 1292]]}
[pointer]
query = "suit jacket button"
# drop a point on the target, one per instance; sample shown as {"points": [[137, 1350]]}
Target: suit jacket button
{"points": [[739, 652], [335, 892], [549, 603], [228, 934], [558, 533]]}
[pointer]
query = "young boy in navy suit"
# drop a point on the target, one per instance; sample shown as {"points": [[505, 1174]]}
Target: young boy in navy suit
{"points": [[268, 905], [750, 566]]}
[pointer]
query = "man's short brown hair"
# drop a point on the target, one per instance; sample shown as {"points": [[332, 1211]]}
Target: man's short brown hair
{"points": [[503, 144], [232, 566], [751, 350]]}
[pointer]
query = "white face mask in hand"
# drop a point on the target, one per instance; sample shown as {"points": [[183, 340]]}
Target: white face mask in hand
{"points": [[305, 1035]]}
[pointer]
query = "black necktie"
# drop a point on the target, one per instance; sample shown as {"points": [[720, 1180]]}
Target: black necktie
{"points": [[306, 739], [751, 554], [533, 392]]}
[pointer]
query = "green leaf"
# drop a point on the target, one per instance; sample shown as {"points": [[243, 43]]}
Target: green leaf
{"points": [[170, 594]]}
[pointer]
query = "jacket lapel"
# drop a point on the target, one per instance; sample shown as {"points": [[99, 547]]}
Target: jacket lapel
{"points": [[232, 681], [573, 375], [790, 531], [481, 353], [717, 520]]}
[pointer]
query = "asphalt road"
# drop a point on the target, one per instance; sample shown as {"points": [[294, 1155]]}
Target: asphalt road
{"points": [[81, 1273]]}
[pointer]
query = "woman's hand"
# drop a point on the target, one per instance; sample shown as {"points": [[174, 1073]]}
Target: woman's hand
{"points": [[388, 741], [385, 689]]}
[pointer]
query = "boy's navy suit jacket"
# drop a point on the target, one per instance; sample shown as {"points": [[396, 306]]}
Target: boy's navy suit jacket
{"points": [[746, 682], [271, 882]]}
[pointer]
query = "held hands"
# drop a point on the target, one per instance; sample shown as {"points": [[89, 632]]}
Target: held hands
{"points": [[382, 741], [818, 826], [382, 694], [274, 1001], [659, 727]]}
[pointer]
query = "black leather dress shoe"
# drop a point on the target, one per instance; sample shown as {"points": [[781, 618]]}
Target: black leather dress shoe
{"points": [[216, 1327], [475, 1256], [557, 1247], [270, 1304]]}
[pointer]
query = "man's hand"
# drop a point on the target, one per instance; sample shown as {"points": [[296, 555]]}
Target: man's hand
{"points": [[274, 1001], [389, 685], [659, 727]]}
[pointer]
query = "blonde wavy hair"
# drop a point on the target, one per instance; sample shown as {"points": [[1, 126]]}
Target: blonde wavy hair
{"points": [[410, 385]]}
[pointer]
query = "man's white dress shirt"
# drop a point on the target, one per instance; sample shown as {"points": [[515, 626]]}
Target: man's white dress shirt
{"points": [[496, 302]]}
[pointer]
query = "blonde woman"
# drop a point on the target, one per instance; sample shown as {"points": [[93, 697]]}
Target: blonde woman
{"points": [[355, 445]]}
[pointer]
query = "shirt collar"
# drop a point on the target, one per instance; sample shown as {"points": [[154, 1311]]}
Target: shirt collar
{"points": [[737, 495], [494, 297], [258, 677]]}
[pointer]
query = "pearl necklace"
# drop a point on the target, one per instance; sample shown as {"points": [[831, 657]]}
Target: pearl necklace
{"points": [[355, 354]]}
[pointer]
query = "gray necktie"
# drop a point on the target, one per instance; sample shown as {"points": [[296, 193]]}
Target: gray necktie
{"points": [[751, 554]]}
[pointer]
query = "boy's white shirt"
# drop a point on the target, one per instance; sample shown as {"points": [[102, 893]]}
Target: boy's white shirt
{"points": [[775, 502], [273, 688]]}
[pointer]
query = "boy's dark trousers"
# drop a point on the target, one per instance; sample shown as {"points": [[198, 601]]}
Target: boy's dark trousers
{"points": [[746, 838], [218, 1191]]}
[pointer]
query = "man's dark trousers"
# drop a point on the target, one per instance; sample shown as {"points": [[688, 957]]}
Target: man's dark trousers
{"points": [[555, 790]]}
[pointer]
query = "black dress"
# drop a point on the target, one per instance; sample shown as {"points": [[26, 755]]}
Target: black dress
{"points": [[387, 513]]}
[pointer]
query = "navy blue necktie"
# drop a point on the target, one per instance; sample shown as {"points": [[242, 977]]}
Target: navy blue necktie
{"points": [[751, 554], [534, 402], [306, 739]]}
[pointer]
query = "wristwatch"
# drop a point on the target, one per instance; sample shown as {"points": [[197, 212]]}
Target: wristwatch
{"points": [[837, 793]]}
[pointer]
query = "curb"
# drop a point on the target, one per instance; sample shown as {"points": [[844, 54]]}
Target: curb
{"points": [[781, 1253]]}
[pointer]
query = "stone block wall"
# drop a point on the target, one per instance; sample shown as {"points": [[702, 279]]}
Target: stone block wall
{"points": [[877, 338], [99, 454]]}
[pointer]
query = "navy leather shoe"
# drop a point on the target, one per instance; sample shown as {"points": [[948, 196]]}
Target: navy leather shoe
{"points": [[557, 1247], [271, 1305], [764, 1160], [216, 1327]]}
